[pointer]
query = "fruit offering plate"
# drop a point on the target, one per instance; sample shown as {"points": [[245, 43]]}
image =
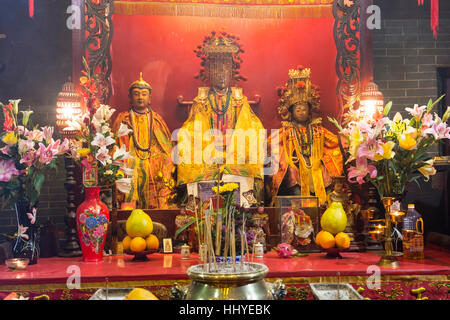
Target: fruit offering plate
{"points": [[334, 253], [141, 255]]}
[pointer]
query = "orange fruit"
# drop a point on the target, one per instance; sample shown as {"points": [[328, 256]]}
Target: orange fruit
{"points": [[326, 240], [152, 242], [318, 236], [138, 244], [126, 243], [342, 240]]}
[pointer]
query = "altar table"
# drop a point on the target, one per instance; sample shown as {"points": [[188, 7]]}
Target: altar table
{"points": [[49, 276]]}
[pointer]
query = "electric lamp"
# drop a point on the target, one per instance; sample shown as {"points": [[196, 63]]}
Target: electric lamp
{"points": [[68, 105], [372, 100]]}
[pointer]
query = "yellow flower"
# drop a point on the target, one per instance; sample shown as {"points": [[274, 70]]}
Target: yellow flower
{"points": [[10, 138], [120, 174], [228, 187], [428, 169], [355, 141], [84, 152], [407, 142], [388, 153]]}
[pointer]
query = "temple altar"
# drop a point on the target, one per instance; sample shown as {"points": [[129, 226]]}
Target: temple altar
{"points": [[320, 198]]}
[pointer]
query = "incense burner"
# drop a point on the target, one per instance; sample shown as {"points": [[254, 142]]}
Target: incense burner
{"points": [[225, 284]]}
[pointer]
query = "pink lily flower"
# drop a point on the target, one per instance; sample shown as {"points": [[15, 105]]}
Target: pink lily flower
{"points": [[416, 111], [35, 135], [21, 232], [361, 170], [370, 148], [32, 216], [47, 133], [103, 155], [5, 150], [28, 158], [7, 170], [63, 147], [439, 131], [46, 154]]}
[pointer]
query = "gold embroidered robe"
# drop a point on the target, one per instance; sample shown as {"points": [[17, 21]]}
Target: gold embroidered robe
{"points": [[146, 191], [325, 159]]}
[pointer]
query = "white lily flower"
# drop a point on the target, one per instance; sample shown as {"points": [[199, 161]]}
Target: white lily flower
{"points": [[124, 185], [122, 153], [124, 130], [101, 141]]}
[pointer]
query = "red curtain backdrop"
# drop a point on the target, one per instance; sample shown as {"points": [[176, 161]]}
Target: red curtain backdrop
{"points": [[161, 46]]}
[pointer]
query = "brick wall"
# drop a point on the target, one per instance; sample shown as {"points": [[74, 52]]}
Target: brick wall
{"points": [[406, 56]]}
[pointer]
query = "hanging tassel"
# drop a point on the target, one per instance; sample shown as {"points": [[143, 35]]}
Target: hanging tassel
{"points": [[434, 17], [31, 8], [420, 2]]}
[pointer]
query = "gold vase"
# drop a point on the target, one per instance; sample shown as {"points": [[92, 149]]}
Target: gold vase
{"points": [[389, 258]]}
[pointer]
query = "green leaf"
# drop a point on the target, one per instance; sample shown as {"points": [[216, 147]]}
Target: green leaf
{"points": [[244, 173], [387, 108], [334, 121], [432, 104], [187, 225], [38, 181]]}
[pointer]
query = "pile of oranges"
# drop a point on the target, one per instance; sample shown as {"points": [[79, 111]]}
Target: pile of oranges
{"points": [[138, 244], [327, 240]]}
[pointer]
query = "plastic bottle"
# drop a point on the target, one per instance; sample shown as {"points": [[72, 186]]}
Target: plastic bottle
{"points": [[413, 247]]}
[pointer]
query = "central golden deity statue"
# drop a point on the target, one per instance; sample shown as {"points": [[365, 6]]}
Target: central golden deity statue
{"points": [[222, 133], [309, 154], [148, 140]]}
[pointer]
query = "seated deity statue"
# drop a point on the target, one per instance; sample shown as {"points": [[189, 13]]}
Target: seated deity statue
{"points": [[221, 137], [309, 154], [149, 142]]}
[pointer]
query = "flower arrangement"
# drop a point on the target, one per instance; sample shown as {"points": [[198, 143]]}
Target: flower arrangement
{"points": [[388, 152], [26, 152], [95, 146]]}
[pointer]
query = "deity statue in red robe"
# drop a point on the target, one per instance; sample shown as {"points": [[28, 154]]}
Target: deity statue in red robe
{"points": [[149, 141], [309, 154]]}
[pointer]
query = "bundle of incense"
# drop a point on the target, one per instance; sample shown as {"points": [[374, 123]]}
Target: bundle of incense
{"points": [[233, 245], [210, 246], [242, 246], [253, 251], [199, 235], [218, 232], [227, 237], [246, 247], [219, 215]]}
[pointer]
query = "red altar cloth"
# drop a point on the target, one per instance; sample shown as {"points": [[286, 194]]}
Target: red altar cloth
{"points": [[166, 268]]}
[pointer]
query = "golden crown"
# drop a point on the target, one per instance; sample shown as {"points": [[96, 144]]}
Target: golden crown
{"points": [[299, 74], [298, 89], [140, 84], [220, 45]]}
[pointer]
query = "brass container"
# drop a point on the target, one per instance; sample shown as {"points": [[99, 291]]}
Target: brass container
{"points": [[245, 285]]}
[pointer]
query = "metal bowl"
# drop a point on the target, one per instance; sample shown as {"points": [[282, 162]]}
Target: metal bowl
{"points": [[17, 263]]}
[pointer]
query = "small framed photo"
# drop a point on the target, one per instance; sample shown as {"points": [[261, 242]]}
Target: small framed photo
{"points": [[299, 221], [167, 245]]}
